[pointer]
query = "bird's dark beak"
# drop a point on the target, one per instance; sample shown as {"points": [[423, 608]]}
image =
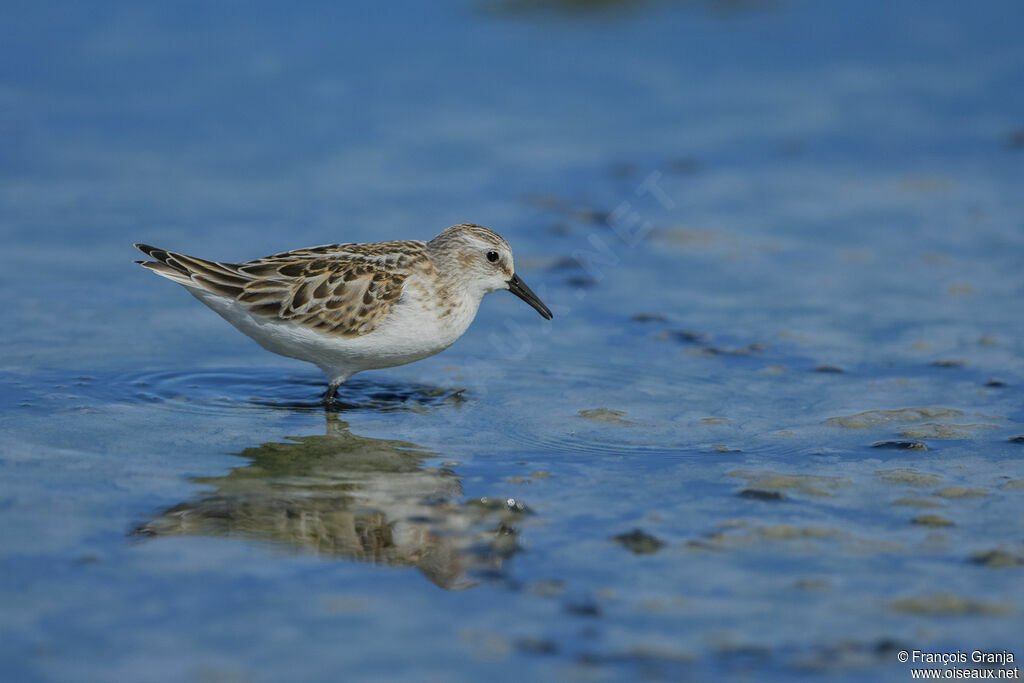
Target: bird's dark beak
{"points": [[519, 288]]}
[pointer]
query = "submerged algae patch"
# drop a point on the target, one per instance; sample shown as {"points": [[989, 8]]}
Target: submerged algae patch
{"points": [[918, 502], [639, 542], [962, 492], [997, 558], [932, 521], [875, 418], [790, 532], [948, 605], [908, 476], [761, 494], [901, 445], [811, 484], [739, 534], [934, 430], [606, 415]]}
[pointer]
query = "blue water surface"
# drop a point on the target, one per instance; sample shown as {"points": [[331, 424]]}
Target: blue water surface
{"points": [[773, 432]]}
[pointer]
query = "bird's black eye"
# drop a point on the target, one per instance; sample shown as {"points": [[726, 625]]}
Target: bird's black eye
{"points": [[492, 256]]}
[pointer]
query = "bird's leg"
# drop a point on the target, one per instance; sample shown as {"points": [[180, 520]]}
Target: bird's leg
{"points": [[332, 390]]}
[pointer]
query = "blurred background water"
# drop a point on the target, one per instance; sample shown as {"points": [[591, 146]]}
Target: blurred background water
{"points": [[774, 430]]}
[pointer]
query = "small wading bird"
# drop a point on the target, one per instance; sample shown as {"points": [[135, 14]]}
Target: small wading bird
{"points": [[353, 307]]}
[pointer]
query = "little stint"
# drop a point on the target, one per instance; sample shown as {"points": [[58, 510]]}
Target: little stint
{"points": [[353, 307]]}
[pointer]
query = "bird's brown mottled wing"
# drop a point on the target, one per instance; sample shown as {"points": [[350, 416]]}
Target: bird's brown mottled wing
{"points": [[339, 289]]}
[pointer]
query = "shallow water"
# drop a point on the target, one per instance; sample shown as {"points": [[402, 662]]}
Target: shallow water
{"points": [[769, 434]]}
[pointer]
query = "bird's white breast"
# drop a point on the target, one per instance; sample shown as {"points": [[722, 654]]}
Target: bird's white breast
{"points": [[418, 326]]}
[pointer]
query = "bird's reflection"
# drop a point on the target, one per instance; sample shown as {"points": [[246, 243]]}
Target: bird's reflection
{"points": [[354, 497]]}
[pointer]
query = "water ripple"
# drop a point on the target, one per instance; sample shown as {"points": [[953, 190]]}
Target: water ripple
{"points": [[231, 389]]}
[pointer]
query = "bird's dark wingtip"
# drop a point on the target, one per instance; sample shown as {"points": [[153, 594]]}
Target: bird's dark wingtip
{"points": [[154, 253]]}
